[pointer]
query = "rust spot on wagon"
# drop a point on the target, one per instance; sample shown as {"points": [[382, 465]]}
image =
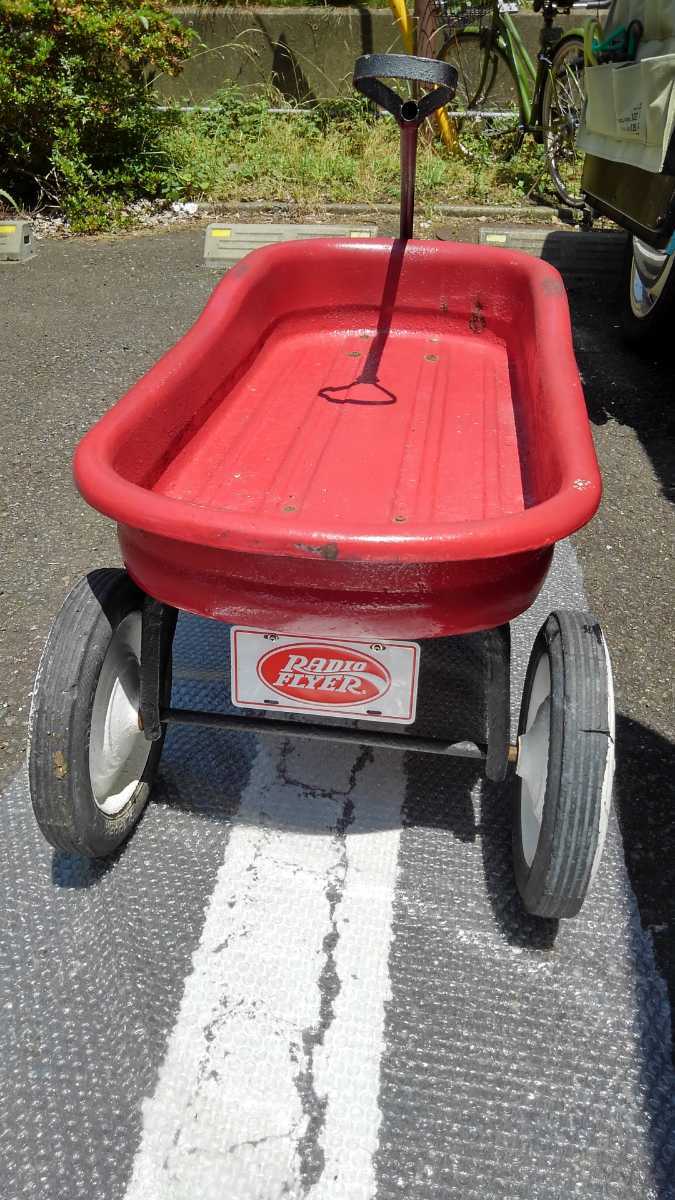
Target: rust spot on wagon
{"points": [[60, 764], [329, 551], [477, 320], [552, 287]]}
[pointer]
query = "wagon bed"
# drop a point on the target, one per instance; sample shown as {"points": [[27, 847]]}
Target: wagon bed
{"points": [[345, 416]]}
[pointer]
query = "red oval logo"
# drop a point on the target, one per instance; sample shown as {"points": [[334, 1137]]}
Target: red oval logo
{"points": [[319, 673]]}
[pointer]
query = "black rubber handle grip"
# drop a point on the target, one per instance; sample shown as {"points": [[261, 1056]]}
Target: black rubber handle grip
{"points": [[371, 68]]}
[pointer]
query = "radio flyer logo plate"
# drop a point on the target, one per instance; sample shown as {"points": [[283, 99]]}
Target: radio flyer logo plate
{"points": [[374, 681]]}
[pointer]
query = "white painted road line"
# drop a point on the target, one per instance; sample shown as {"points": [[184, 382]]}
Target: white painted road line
{"points": [[271, 1078]]}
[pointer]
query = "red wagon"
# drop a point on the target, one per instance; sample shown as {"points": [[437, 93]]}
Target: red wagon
{"points": [[358, 447]]}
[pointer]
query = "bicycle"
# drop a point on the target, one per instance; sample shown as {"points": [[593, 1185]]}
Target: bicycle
{"points": [[482, 42]]}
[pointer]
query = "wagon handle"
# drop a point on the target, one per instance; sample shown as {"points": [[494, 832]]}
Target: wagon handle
{"points": [[370, 69], [409, 114]]}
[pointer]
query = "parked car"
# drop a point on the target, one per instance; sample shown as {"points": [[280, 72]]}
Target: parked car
{"points": [[628, 134]]}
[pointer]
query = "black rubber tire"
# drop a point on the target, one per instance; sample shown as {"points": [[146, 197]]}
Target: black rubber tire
{"points": [[654, 330], [580, 767], [481, 77], [61, 711], [574, 44]]}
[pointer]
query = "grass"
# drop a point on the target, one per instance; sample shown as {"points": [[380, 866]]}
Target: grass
{"points": [[338, 153], [277, 4], [525, 5]]}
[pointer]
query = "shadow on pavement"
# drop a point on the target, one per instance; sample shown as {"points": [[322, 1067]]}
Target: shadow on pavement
{"points": [[656, 1073], [623, 386], [73, 872], [518, 927], [643, 796]]}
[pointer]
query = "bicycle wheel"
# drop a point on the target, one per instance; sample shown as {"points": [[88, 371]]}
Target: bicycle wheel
{"points": [[561, 108], [484, 84]]}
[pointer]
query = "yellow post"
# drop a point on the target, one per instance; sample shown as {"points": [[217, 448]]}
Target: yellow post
{"points": [[448, 128], [400, 11]]}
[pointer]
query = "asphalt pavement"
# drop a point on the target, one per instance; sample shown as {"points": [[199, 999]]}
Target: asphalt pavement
{"points": [[464, 1050]]}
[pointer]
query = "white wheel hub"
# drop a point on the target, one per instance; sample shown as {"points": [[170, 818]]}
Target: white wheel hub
{"points": [[608, 777], [118, 749], [650, 273], [533, 747]]}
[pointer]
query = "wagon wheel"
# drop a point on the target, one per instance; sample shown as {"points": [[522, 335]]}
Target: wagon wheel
{"points": [[565, 765], [90, 765]]}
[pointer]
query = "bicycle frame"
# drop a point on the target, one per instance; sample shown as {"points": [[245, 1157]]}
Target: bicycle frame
{"points": [[529, 77]]}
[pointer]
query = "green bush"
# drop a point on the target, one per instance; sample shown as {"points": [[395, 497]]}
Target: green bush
{"points": [[78, 123]]}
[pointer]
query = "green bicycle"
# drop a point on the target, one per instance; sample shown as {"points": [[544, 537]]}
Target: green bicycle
{"points": [[499, 82]]}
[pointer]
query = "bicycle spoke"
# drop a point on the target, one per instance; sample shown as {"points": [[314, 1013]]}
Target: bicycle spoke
{"points": [[560, 121], [488, 87], [484, 89], [566, 89]]}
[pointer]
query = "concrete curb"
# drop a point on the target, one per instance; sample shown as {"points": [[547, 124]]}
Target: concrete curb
{"points": [[580, 256], [444, 210]]}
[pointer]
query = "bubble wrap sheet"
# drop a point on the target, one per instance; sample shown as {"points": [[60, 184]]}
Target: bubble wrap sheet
{"points": [[308, 975]]}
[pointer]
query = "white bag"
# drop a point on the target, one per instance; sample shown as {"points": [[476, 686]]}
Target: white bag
{"points": [[629, 115]]}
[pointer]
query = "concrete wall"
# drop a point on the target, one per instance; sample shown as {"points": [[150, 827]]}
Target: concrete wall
{"points": [[306, 52]]}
